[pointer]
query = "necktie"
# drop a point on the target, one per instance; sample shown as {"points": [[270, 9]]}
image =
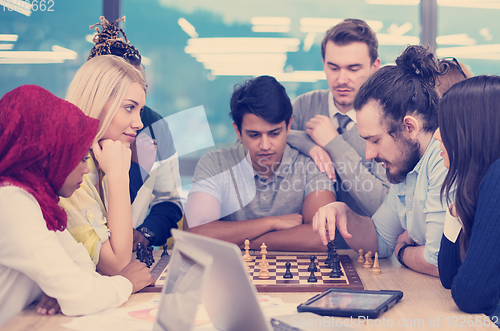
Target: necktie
{"points": [[343, 120]]}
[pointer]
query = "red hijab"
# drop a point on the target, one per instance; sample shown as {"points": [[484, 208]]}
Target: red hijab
{"points": [[42, 139]]}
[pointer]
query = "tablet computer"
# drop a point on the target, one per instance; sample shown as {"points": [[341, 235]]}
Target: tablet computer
{"points": [[351, 303]]}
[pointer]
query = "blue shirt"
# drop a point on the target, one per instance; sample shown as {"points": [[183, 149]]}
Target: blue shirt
{"points": [[415, 205]]}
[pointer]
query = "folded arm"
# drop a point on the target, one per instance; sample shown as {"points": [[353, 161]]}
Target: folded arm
{"points": [[202, 217], [301, 237]]}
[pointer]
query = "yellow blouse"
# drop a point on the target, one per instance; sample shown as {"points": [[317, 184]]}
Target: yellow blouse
{"points": [[87, 217]]}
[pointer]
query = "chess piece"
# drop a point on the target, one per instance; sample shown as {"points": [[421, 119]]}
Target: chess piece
{"points": [[140, 252], [335, 265], [337, 262], [263, 248], [368, 259], [312, 266], [264, 273], [150, 258], [165, 250], [329, 258], [371, 258], [361, 258], [332, 261], [312, 278], [263, 252], [335, 273], [288, 273], [334, 250], [247, 256], [376, 267]]}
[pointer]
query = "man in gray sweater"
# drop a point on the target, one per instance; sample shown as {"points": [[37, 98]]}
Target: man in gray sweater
{"points": [[260, 188], [327, 122]]}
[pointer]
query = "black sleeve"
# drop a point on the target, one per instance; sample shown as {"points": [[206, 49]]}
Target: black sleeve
{"points": [[448, 261], [135, 180], [161, 219]]}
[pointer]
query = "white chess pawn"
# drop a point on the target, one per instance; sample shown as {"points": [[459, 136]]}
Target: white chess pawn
{"points": [[247, 256]]}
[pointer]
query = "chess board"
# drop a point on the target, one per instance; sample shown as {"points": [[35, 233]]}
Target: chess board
{"points": [[299, 264], [158, 271], [276, 282]]}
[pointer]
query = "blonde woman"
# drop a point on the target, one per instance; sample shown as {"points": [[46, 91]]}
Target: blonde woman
{"points": [[99, 214]]}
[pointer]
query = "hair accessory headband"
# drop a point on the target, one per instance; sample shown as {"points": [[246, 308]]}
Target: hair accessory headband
{"points": [[107, 41]]}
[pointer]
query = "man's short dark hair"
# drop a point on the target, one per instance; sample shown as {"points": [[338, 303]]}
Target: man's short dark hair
{"points": [[262, 96], [404, 89], [349, 31]]}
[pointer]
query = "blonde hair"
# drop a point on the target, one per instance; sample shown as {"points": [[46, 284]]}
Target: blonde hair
{"points": [[100, 82]]}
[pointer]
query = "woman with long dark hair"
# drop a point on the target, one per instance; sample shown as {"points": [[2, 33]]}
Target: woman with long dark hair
{"points": [[469, 129]]}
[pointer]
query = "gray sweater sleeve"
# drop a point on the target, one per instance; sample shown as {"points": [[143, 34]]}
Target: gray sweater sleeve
{"points": [[305, 107], [347, 152], [301, 141], [366, 178]]}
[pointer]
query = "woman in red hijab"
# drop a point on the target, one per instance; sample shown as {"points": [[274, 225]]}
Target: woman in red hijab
{"points": [[44, 141]]}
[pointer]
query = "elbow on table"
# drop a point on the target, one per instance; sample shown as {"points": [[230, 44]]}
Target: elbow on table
{"points": [[445, 282], [471, 304]]}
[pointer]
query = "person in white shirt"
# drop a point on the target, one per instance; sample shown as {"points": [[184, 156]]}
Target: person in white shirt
{"points": [[44, 141]]}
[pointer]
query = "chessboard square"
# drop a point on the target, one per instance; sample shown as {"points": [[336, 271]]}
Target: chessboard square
{"points": [[290, 282], [282, 264], [304, 281], [265, 282], [301, 277], [307, 263], [282, 273], [271, 276], [334, 281], [285, 258], [307, 273], [257, 269], [273, 263], [280, 276], [281, 280]]}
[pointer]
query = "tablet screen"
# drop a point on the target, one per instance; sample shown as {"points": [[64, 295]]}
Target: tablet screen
{"points": [[349, 301]]}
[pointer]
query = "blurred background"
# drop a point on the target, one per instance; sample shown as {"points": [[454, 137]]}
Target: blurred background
{"points": [[195, 51]]}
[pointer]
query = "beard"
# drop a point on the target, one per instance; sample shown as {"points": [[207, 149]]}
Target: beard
{"points": [[410, 155]]}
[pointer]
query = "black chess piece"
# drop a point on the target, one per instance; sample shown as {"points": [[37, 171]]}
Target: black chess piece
{"points": [[312, 266], [335, 273], [165, 247], [312, 278], [334, 249], [140, 252], [332, 261], [329, 257], [288, 274], [336, 270], [150, 258], [334, 253]]}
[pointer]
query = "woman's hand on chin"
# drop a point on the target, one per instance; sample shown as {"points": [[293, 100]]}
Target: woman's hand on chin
{"points": [[113, 157]]}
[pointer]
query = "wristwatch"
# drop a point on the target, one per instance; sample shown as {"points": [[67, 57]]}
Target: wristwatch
{"points": [[401, 252], [148, 234]]}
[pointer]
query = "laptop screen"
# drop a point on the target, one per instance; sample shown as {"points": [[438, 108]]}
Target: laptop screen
{"points": [[182, 290]]}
